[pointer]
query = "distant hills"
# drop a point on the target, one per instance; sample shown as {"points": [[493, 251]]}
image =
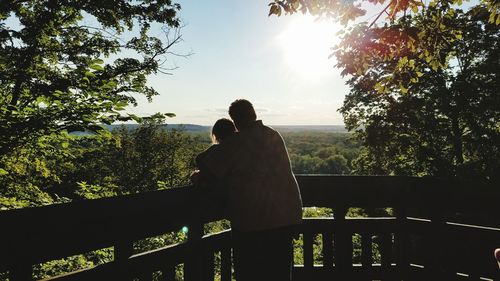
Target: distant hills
{"points": [[183, 127], [201, 128], [281, 128], [311, 128]]}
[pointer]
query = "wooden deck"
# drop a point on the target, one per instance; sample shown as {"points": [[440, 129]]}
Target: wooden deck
{"points": [[440, 230]]}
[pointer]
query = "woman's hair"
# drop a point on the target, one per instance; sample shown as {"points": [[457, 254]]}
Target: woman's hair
{"points": [[222, 129]]}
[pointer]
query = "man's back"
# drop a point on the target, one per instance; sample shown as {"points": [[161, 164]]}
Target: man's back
{"points": [[263, 191]]}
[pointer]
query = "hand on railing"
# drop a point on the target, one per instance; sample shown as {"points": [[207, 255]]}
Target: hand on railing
{"points": [[195, 177]]}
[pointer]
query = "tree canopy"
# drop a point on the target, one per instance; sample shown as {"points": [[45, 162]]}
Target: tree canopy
{"points": [[74, 64], [424, 84], [386, 37]]}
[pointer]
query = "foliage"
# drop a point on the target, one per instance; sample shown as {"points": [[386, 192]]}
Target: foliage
{"points": [[57, 64], [392, 40], [427, 119], [321, 152], [424, 82], [81, 167], [29, 172], [65, 167]]}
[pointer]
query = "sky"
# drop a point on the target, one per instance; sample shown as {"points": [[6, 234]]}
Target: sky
{"points": [[280, 64]]}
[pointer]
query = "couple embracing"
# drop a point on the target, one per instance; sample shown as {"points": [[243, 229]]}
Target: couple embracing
{"points": [[250, 163]]}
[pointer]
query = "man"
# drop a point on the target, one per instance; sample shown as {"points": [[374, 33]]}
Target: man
{"points": [[263, 196]]}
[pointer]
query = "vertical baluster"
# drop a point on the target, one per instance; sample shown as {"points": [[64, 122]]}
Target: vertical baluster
{"points": [[168, 273], [122, 251], [386, 254], [402, 243], [208, 265], [308, 250], [194, 263], [366, 251], [22, 272], [342, 242], [226, 264], [435, 239], [327, 249]]}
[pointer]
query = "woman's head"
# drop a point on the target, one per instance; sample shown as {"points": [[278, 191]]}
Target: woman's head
{"points": [[222, 129]]}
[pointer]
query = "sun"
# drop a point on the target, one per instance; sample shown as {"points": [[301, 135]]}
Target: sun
{"points": [[306, 44]]}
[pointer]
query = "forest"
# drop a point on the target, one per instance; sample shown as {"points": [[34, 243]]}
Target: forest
{"points": [[74, 167]]}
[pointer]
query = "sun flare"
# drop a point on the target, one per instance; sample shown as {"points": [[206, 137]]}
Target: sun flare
{"points": [[306, 44]]}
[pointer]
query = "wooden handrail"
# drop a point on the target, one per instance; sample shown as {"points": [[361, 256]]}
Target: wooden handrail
{"points": [[45, 233]]}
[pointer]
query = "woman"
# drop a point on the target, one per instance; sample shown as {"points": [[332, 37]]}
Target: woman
{"points": [[222, 131]]}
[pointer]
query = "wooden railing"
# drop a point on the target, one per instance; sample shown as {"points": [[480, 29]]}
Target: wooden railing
{"points": [[439, 230]]}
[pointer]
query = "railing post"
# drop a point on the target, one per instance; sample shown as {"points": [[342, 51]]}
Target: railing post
{"points": [[386, 254], [402, 243], [342, 243], [436, 245], [122, 251], [168, 273], [226, 263], [327, 249], [366, 251], [193, 267], [208, 263], [308, 251]]}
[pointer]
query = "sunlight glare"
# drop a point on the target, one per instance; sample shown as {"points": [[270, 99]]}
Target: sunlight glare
{"points": [[306, 44]]}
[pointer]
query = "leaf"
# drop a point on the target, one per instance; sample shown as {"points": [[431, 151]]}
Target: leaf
{"points": [[274, 10], [170, 114], [403, 89], [90, 74], [96, 67], [492, 18], [3, 172], [97, 61]]}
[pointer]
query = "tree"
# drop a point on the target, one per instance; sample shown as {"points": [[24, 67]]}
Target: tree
{"points": [[423, 98], [444, 122], [57, 62], [431, 41]]}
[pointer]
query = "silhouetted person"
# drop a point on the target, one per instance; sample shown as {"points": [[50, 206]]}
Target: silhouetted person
{"points": [[264, 201], [222, 130]]}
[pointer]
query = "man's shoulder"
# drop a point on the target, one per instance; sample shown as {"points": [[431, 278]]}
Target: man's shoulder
{"points": [[272, 134]]}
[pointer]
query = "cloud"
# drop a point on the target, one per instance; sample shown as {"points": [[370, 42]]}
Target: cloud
{"points": [[295, 107], [216, 110]]}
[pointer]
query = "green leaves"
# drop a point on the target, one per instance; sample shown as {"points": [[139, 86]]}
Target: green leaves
{"points": [[59, 75], [96, 67], [3, 172], [430, 109]]}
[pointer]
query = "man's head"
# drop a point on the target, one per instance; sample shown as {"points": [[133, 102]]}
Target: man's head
{"points": [[242, 113]]}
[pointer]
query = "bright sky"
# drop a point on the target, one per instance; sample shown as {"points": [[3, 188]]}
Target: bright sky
{"points": [[280, 64]]}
